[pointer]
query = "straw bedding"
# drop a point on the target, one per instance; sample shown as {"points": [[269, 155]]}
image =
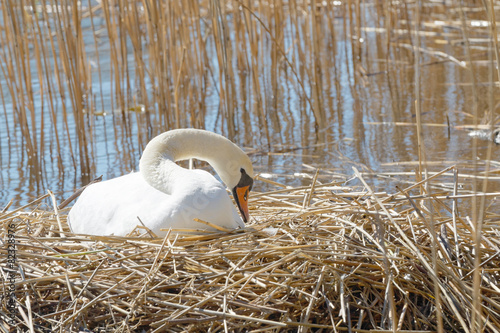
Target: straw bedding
{"points": [[316, 258]]}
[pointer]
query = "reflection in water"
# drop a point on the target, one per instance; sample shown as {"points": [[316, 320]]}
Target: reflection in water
{"points": [[486, 134], [328, 87]]}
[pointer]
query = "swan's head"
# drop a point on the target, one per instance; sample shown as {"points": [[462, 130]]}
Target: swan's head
{"points": [[241, 192], [238, 177], [230, 162]]}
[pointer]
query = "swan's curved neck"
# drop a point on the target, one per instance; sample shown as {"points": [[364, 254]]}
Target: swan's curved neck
{"points": [[157, 164]]}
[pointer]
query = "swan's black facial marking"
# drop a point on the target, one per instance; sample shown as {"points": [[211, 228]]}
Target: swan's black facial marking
{"points": [[240, 194], [245, 180]]}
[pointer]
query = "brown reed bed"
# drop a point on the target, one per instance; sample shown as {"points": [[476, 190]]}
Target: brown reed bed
{"points": [[323, 257]]}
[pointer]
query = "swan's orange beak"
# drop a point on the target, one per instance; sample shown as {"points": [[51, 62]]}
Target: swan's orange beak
{"points": [[241, 196]]}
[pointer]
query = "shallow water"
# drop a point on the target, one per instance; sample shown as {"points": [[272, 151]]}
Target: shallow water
{"points": [[362, 87]]}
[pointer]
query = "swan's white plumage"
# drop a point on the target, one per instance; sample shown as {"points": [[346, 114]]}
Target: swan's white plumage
{"points": [[164, 195]]}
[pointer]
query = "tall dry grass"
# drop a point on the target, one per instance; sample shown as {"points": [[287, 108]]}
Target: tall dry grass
{"points": [[160, 63], [163, 59]]}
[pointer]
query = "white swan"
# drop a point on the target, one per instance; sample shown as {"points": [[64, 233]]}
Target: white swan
{"points": [[164, 195]]}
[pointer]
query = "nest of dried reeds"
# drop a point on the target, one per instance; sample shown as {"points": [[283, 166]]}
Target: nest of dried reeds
{"points": [[317, 258]]}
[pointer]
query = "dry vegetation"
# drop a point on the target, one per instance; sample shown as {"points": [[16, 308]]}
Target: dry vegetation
{"points": [[270, 68], [321, 258]]}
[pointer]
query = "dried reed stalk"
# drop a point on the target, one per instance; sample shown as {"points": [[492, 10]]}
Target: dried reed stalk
{"points": [[313, 258]]}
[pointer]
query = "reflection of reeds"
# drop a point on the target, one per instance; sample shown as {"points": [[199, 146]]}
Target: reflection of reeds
{"points": [[175, 64], [37, 52], [319, 257], [164, 59]]}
